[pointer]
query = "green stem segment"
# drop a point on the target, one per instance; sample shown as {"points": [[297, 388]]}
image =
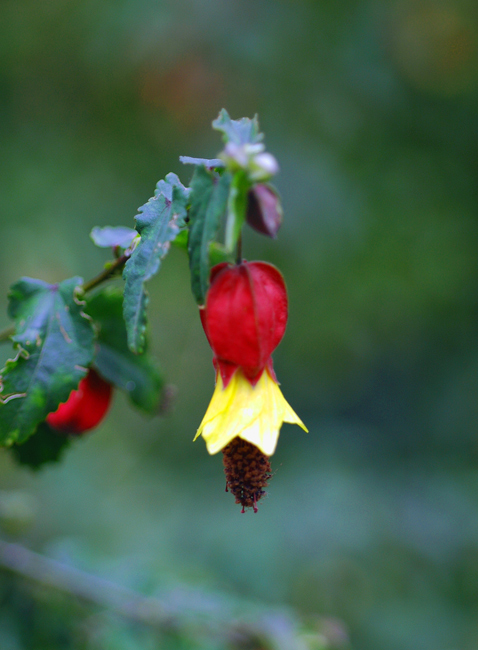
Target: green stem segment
{"points": [[239, 249], [107, 274]]}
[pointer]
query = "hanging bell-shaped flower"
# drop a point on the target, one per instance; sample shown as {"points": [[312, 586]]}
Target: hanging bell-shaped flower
{"points": [[244, 319]]}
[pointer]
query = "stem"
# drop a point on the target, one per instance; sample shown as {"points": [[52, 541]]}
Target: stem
{"points": [[7, 333], [135, 606], [107, 273], [100, 591], [239, 249]]}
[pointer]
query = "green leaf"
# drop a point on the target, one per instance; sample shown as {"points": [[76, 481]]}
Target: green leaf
{"points": [[243, 131], [54, 341], [158, 223], [109, 237], [46, 446], [212, 163], [137, 375], [209, 194]]}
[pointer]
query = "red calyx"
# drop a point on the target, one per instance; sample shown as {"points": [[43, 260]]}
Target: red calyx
{"points": [[85, 407], [245, 317]]}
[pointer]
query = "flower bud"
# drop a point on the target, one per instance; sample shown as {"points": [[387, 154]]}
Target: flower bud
{"points": [[85, 407], [264, 210], [258, 164], [245, 317]]}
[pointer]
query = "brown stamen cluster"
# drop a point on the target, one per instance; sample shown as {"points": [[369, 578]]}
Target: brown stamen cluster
{"points": [[247, 472]]}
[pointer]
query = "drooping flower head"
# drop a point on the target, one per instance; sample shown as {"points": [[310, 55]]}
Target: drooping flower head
{"points": [[85, 407], [244, 319]]}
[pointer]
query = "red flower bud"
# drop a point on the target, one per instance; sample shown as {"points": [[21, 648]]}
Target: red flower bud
{"points": [[264, 210], [245, 317], [85, 407]]}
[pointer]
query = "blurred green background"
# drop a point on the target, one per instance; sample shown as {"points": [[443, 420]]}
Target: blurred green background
{"points": [[369, 536]]}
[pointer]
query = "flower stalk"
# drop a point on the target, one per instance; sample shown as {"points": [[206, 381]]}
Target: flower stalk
{"points": [[239, 249]]}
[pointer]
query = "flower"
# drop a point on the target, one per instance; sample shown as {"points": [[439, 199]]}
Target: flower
{"points": [[244, 319], [253, 413], [252, 158], [84, 408]]}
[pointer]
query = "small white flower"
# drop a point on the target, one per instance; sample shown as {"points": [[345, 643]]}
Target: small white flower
{"points": [[259, 165]]}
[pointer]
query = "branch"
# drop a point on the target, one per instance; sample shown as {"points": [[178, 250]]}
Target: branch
{"points": [[108, 273], [78, 583], [274, 627]]}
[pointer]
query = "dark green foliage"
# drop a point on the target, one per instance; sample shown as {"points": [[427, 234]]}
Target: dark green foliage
{"points": [[54, 343], [243, 131], [137, 375], [209, 195], [158, 223], [46, 446], [110, 237]]}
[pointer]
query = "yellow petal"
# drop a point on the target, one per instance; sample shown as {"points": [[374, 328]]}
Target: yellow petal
{"points": [[254, 413]]}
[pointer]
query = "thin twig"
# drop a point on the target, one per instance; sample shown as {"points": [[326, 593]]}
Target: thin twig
{"points": [[107, 273], [224, 623]]}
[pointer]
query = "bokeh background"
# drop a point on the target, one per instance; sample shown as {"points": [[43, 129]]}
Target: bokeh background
{"points": [[369, 536]]}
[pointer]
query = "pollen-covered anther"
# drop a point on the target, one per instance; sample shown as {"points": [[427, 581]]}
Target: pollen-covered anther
{"points": [[247, 471]]}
